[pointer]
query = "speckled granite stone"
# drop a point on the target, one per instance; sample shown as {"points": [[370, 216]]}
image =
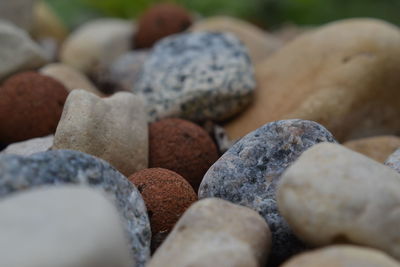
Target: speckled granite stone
{"points": [[248, 172], [67, 166], [393, 161], [197, 76]]}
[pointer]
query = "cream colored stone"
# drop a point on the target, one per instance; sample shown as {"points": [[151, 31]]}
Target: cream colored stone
{"points": [[259, 43], [342, 256], [114, 129], [214, 232], [332, 194], [30, 146], [344, 75]]}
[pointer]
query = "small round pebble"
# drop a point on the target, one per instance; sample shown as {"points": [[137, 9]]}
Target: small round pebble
{"points": [[183, 147], [167, 196], [160, 21], [30, 106]]}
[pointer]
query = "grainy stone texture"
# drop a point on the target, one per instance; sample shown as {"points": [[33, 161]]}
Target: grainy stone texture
{"points": [[62, 226], [214, 232], [114, 129], [332, 194], [72, 167], [343, 256], [197, 76], [30, 146], [248, 172], [393, 161]]}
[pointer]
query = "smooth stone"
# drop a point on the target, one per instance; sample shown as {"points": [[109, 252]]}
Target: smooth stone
{"points": [[18, 12], [248, 172], [393, 161], [31, 146], [259, 43], [59, 167], [342, 256], [62, 226], [196, 76], [114, 129], [71, 78], [343, 75], [332, 194], [214, 232], [17, 51], [376, 147], [96, 44]]}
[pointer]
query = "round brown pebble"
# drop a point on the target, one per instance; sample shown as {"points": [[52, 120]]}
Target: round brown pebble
{"points": [[30, 106], [167, 195], [183, 147], [160, 21]]}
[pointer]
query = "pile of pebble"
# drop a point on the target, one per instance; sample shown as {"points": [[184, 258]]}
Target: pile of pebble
{"points": [[176, 141]]}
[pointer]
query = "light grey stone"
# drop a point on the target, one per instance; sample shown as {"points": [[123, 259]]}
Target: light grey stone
{"points": [[29, 147], [393, 161]]}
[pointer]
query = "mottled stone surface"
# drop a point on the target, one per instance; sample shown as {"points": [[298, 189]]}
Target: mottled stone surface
{"points": [[197, 76], [67, 166], [248, 172], [393, 161]]}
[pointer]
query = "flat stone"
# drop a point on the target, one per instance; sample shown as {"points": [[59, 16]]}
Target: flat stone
{"points": [[393, 161], [29, 147], [58, 167], [332, 194], [214, 232], [62, 226], [248, 172]]}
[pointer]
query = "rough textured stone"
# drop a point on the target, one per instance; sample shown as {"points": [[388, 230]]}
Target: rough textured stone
{"points": [[30, 146], [65, 167], [332, 194], [183, 147], [114, 129], [248, 172], [214, 232], [343, 256], [158, 22], [259, 43], [167, 195], [19, 12], [30, 106], [44, 227], [393, 161], [17, 51], [197, 76], [343, 75]]}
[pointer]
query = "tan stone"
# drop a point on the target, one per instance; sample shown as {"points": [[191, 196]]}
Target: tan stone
{"points": [[332, 194], [342, 256], [259, 43], [344, 75], [114, 129], [377, 147], [214, 232]]}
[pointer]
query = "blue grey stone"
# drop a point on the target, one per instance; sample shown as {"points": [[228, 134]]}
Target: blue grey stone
{"points": [[393, 161], [247, 174], [197, 76], [67, 166]]}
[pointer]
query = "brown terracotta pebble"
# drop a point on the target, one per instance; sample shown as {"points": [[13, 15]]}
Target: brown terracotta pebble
{"points": [[160, 21], [167, 195], [30, 106], [183, 147]]}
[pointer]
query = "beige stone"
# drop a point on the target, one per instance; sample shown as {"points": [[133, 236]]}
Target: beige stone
{"points": [[342, 256], [332, 194], [30, 146], [376, 147], [214, 232], [114, 129], [71, 78], [344, 75], [259, 43]]}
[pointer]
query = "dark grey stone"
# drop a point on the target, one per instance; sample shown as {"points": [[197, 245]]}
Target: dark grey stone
{"points": [[393, 161], [66, 166], [247, 174]]}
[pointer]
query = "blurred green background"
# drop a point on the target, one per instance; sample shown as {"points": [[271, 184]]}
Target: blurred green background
{"points": [[269, 14]]}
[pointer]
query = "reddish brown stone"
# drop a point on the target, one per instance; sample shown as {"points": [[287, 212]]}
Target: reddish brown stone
{"points": [[30, 106], [183, 147], [167, 195], [160, 21]]}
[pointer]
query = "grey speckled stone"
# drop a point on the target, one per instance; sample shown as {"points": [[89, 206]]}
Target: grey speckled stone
{"points": [[197, 76], [393, 161], [248, 172], [67, 166]]}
